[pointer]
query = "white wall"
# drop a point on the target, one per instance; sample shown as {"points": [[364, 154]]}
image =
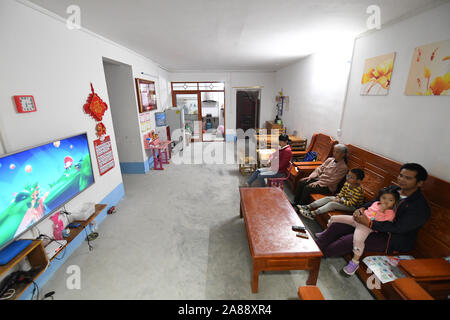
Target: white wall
{"points": [[316, 88], [403, 128], [41, 57], [237, 79], [122, 96]]}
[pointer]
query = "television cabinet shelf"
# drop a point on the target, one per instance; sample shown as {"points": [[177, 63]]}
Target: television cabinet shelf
{"points": [[83, 224], [37, 257]]}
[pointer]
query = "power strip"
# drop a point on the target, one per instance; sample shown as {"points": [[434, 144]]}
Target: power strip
{"points": [[54, 247]]}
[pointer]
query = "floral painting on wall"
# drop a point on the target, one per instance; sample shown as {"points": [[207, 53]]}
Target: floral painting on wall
{"points": [[376, 78], [429, 74]]}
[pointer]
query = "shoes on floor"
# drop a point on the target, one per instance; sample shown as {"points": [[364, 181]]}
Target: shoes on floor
{"points": [[350, 268]]}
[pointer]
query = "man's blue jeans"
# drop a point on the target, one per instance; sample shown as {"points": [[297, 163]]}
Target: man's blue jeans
{"points": [[263, 173]]}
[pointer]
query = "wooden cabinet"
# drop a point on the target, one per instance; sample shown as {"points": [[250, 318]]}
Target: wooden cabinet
{"points": [[273, 125]]}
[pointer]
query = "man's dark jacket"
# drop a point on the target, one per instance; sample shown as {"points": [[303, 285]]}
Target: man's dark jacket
{"points": [[410, 215]]}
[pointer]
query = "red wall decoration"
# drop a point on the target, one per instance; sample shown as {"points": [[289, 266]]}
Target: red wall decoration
{"points": [[95, 106], [105, 158]]}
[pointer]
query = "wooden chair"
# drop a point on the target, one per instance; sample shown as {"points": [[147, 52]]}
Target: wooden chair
{"points": [[320, 143], [279, 182], [159, 149]]}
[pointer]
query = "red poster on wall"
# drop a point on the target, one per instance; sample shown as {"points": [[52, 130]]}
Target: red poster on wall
{"points": [[103, 151]]}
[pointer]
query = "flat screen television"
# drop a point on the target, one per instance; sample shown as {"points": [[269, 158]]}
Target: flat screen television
{"points": [[38, 181]]}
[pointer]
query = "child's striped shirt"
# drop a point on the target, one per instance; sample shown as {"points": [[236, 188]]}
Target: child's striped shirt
{"points": [[352, 197]]}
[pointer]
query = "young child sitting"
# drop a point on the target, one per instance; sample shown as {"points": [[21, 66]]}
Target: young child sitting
{"points": [[349, 198], [380, 211]]}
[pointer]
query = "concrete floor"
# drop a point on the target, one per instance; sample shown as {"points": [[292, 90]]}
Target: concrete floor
{"points": [[177, 235]]}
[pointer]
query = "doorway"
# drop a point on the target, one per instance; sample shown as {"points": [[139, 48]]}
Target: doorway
{"points": [[203, 104], [122, 103], [213, 116], [248, 103]]}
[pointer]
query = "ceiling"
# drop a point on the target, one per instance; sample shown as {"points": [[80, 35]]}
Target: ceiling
{"points": [[206, 35]]}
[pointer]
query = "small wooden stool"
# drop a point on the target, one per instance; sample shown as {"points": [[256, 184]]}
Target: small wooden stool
{"points": [[310, 293], [247, 165]]}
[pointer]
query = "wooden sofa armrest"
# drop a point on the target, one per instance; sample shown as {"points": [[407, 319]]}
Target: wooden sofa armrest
{"points": [[310, 293], [426, 269], [308, 163], [304, 169], [299, 153], [409, 289]]}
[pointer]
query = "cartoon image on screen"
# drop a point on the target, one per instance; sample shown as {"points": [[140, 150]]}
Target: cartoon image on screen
{"points": [[37, 181]]}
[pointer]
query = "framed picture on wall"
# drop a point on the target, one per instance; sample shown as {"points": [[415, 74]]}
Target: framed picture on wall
{"points": [[429, 73], [146, 93], [376, 79]]}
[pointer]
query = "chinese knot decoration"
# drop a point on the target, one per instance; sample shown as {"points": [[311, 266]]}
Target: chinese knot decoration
{"points": [[95, 106], [101, 129]]}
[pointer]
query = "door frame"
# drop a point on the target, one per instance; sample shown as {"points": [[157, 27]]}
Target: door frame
{"points": [[258, 108], [174, 103], [199, 104]]}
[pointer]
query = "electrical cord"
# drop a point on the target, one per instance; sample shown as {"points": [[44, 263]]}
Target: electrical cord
{"points": [[89, 242], [8, 294], [34, 290]]}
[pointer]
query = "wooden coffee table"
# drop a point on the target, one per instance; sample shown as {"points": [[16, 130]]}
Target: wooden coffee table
{"points": [[269, 218]]}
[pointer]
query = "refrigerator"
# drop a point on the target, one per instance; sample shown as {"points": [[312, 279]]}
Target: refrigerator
{"points": [[175, 121]]}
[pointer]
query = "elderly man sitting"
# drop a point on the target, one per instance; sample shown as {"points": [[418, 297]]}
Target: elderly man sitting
{"points": [[325, 179]]}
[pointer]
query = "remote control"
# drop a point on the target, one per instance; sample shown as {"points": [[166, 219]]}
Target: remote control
{"points": [[299, 229], [302, 235]]}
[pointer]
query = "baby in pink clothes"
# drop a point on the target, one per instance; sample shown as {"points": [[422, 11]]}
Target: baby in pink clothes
{"points": [[382, 210]]}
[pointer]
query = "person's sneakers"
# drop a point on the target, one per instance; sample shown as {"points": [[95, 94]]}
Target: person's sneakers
{"points": [[350, 268], [318, 234], [304, 211], [306, 208]]}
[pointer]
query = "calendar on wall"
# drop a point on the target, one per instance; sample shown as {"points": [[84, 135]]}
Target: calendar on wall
{"points": [[105, 158], [25, 104]]}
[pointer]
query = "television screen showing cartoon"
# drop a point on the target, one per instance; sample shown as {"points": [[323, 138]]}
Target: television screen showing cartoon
{"points": [[36, 182]]}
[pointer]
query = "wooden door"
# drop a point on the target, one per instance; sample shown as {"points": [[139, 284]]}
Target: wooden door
{"points": [[247, 109]]}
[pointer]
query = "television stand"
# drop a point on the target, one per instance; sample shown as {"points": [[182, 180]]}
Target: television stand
{"points": [[83, 224], [37, 257]]}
